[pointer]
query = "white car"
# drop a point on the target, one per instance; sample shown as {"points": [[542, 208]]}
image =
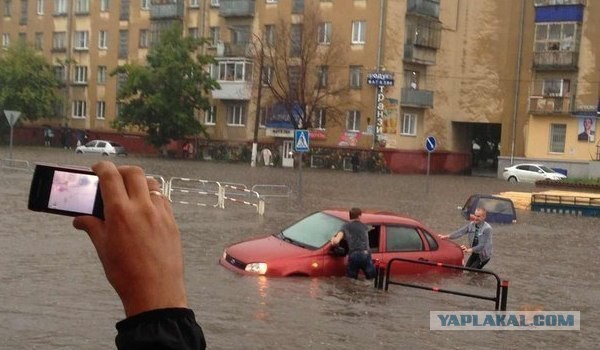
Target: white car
{"points": [[531, 173], [103, 147]]}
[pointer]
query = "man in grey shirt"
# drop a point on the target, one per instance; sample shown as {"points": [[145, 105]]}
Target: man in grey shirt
{"points": [[357, 235], [479, 234]]}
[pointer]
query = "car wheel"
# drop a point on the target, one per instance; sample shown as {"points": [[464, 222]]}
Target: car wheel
{"points": [[79, 152], [105, 154], [513, 179]]}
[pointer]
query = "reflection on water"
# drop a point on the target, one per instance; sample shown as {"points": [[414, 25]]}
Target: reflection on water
{"points": [[55, 295]]}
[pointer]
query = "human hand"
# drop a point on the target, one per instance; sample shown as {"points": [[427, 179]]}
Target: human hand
{"points": [[138, 242], [443, 236]]}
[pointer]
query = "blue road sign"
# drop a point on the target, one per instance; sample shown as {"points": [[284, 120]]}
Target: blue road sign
{"points": [[301, 141], [430, 144]]}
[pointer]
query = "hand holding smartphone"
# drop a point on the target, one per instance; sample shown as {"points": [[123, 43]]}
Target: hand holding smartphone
{"points": [[65, 190]]}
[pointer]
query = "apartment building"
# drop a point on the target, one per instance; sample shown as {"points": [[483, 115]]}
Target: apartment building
{"points": [[517, 76]]}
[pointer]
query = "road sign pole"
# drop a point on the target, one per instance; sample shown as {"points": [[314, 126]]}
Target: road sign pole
{"points": [[300, 189], [10, 154], [427, 177]]}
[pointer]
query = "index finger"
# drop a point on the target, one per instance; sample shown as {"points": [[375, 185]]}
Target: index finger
{"points": [[112, 187]]}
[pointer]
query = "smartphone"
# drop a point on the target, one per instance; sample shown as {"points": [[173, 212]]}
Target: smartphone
{"points": [[65, 190]]}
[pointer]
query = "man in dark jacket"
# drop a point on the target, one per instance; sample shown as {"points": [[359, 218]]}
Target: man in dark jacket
{"points": [[139, 246], [357, 235]]}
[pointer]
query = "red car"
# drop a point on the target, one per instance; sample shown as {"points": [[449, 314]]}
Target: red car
{"points": [[303, 249]]}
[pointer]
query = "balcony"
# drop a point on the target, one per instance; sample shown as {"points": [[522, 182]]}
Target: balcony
{"points": [[429, 8], [237, 50], [173, 9], [237, 8], [555, 60], [539, 3], [419, 54], [549, 105], [416, 98], [233, 90]]}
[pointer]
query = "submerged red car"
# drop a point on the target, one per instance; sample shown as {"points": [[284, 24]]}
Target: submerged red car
{"points": [[303, 249]]}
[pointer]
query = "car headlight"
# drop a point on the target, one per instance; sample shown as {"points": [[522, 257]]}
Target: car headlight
{"points": [[258, 268]]}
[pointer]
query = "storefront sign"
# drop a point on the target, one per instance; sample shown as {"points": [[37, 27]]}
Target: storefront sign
{"points": [[279, 132], [380, 79], [379, 114]]}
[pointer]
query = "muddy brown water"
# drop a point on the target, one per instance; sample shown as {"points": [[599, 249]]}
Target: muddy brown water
{"points": [[54, 294]]}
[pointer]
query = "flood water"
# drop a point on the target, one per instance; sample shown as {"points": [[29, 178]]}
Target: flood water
{"points": [[55, 296]]}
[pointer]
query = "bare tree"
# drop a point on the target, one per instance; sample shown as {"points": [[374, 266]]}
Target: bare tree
{"points": [[302, 66]]}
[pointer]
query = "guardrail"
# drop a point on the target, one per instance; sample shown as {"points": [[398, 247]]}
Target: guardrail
{"points": [[383, 280], [16, 164], [187, 186], [268, 190], [259, 205]]}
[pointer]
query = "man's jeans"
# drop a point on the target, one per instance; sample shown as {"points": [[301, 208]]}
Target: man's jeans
{"points": [[360, 260]]}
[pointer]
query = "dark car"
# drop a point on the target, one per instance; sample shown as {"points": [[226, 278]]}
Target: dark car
{"points": [[499, 209], [304, 249]]}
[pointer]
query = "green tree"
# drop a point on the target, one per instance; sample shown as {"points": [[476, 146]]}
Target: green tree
{"points": [[161, 96], [28, 83]]}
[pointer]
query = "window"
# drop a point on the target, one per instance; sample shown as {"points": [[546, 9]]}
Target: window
{"points": [[240, 34], [359, 32], [423, 31], [39, 41], [7, 8], [272, 1], [60, 7], [144, 38], [411, 79], [558, 133], [555, 37], [232, 71], [269, 37], [81, 40], [296, 40], [556, 88], [324, 33], [322, 76], [353, 121], [235, 115], [5, 40], [40, 7], [23, 19], [214, 3], [80, 74], [409, 124], [100, 110], [193, 32], [297, 6], [194, 3], [82, 6], [402, 239], [355, 77], [103, 39], [266, 113], [59, 40], [124, 14], [22, 37], [60, 73], [145, 4], [319, 118], [267, 78], [104, 5], [215, 35], [79, 109], [123, 43], [293, 81], [210, 116], [102, 73]]}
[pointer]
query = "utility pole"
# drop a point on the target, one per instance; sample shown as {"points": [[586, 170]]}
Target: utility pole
{"points": [[258, 97]]}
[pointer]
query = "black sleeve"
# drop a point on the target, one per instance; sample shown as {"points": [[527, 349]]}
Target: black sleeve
{"points": [[174, 328]]}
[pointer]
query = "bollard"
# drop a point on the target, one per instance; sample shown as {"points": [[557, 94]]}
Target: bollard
{"points": [[504, 296]]}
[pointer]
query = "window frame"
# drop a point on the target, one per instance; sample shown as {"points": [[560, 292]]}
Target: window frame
{"points": [[210, 115], [359, 32], [79, 109], [103, 40], [554, 144], [82, 40], [409, 124], [324, 33], [101, 75], [353, 117], [80, 75], [236, 115], [101, 110], [355, 79]]}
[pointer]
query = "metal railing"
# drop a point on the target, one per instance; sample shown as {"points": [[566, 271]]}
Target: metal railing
{"points": [[383, 281]]}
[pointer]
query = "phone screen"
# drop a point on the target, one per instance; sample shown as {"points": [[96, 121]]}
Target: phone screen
{"points": [[73, 192], [65, 190]]}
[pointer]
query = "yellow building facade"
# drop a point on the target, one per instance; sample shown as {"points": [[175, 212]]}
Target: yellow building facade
{"points": [[517, 76]]}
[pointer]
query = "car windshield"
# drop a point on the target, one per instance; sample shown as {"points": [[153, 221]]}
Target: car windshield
{"points": [[546, 169], [314, 230]]}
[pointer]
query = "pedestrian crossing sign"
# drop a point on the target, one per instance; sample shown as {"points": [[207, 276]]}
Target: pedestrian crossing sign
{"points": [[301, 141]]}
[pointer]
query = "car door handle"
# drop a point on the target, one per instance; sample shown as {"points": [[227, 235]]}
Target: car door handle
{"points": [[422, 259]]}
